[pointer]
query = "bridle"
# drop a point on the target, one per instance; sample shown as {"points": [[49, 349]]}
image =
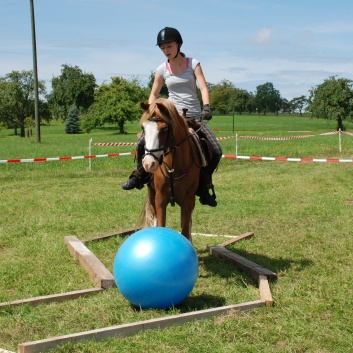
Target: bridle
{"points": [[167, 149], [166, 145]]}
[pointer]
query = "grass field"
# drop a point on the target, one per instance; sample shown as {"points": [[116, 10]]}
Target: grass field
{"points": [[301, 214]]}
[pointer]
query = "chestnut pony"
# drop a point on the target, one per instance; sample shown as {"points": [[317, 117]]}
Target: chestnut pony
{"points": [[171, 157]]}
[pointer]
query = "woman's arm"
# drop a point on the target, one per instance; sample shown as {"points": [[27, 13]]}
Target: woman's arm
{"points": [[202, 84], [156, 87]]}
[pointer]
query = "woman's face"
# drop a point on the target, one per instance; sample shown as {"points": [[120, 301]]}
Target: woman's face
{"points": [[169, 49]]}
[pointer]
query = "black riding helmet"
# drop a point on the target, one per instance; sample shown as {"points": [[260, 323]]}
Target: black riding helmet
{"points": [[169, 34]]}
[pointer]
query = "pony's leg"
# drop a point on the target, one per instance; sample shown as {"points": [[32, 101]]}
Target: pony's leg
{"points": [[161, 209], [186, 218], [152, 201]]}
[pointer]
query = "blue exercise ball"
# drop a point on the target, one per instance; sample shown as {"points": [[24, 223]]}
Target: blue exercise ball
{"points": [[156, 268]]}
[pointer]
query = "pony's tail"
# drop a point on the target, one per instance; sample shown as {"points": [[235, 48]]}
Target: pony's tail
{"points": [[147, 216]]}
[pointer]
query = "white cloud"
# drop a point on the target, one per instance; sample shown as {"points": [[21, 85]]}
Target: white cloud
{"points": [[264, 36]]}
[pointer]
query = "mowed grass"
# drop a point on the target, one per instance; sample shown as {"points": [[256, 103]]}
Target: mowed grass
{"points": [[301, 214]]}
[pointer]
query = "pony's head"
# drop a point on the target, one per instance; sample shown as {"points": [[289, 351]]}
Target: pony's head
{"points": [[160, 122]]}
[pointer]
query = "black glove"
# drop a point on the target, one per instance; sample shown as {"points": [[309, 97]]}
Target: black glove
{"points": [[206, 112]]}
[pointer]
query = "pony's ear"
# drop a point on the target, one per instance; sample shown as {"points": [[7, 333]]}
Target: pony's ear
{"points": [[163, 109], [144, 105]]}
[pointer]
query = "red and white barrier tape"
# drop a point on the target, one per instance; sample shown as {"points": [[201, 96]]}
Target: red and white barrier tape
{"points": [[114, 144], [251, 158], [285, 159], [226, 138], [275, 138], [64, 158]]}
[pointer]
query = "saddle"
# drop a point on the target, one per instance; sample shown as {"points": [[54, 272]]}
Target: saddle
{"points": [[202, 145]]}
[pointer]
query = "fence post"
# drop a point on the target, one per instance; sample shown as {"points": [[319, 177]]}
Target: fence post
{"points": [[340, 140], [90, 154], [236, 144]]}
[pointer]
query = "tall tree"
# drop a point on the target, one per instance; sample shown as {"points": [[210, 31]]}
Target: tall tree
{"points": [[115, 103], [17, 99], [241, 100], [333, 99], [267, 98], [72, 88], [299, 103], [222, 97]]}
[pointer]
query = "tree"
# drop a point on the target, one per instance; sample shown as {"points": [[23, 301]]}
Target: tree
{"points": [[267, 98], [222, 97], [286, 106], [299, 103], [17, 99], [333, 99], [72, 124], [164, 90], [241, 100], [72, 88], [115, 103]]}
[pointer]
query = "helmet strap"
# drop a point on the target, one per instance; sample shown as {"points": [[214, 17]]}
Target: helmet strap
{"points": [[177, 51]]}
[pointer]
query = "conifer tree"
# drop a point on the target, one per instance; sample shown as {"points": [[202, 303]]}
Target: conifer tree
{"points": [[72, 124]]}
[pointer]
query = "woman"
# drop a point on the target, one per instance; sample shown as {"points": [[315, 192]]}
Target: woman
{"points": [[180, 75]]}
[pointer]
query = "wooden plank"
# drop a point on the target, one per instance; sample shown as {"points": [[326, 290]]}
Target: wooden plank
{"points": [[99, 274], [265, 291], [246, 235], [53, 298], [114, 234], [133, 328], [241, 262]]}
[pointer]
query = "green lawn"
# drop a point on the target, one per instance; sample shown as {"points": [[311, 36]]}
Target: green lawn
{"points": [[301, 214]]}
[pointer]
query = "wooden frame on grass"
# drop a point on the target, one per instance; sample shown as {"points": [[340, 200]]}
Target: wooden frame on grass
{"points": [[103, 279]]}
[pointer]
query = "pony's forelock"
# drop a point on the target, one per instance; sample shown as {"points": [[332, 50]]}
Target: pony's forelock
{"points": [[154, 111]]}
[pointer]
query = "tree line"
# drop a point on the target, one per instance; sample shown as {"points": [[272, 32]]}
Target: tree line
{"points": [[77, 100]]}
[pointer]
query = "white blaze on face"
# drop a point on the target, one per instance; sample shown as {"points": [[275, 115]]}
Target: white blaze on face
{"points": [[151, 142]]}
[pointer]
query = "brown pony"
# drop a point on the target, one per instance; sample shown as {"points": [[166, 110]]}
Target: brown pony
{"points": [[171, 157]]}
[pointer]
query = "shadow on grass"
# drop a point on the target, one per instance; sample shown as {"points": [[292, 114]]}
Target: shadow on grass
{"points": [[222, 268], [201, 302], [192, 303], [275, 265]]}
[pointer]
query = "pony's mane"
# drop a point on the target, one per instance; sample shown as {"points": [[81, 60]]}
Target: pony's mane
{"points": [[164, 109]]}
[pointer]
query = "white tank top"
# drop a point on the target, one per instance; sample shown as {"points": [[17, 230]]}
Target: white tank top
{"points": [[182, 88]]}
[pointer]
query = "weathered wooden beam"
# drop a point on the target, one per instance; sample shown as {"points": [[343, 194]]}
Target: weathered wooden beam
{"points": [[99, 274], [53, 298], [133, 328], [247, 235], [241, 262], [265, 292]]}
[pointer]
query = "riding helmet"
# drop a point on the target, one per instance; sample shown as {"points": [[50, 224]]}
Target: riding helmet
{"points": [[169, 34]]}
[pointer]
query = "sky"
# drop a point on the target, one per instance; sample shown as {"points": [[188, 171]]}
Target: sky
{"points": [[295, 45]]}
